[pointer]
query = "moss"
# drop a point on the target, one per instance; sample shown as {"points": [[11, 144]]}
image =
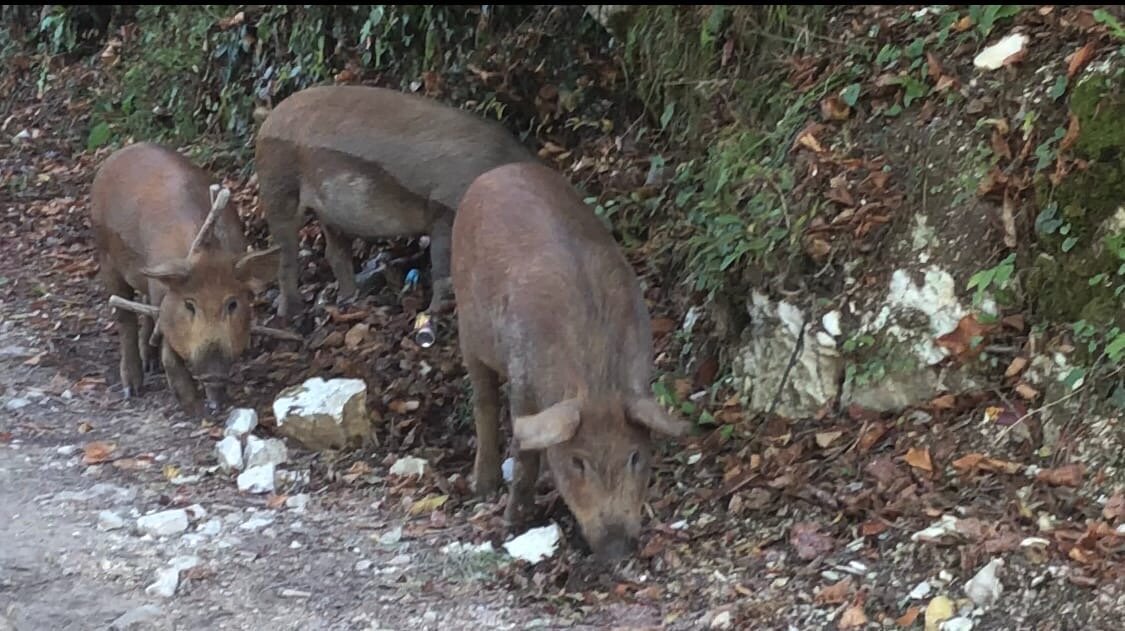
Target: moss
{"points": [[1075, 236]]}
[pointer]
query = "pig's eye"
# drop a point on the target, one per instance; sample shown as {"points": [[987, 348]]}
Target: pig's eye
{"points": [[579, 466], [635, 460], [232, 305], [190, 306]]}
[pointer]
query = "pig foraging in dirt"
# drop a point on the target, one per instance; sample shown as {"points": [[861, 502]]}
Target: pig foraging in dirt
{"points": [[371, 163], [547, 302], [148, 206]]}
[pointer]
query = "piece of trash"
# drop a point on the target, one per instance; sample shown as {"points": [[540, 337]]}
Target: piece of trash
{"points": [[536, 544], [424, 330], [409, 466], [943, 528], [994, 56], [411, 280], [938, 611], [508, 469]]}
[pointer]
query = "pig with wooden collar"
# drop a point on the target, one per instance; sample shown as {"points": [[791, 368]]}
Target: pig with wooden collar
{"points": [[547, 302], [372, 163], [158, 235]]}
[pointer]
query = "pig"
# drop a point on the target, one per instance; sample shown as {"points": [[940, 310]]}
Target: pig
{"points": [[371, 163], [547, 303], [148, 205]]}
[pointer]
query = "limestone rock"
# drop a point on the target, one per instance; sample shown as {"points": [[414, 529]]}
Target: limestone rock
{"points": [[241, 422], [257, 479], [323, 414], [229, 453], [164, 523], [261, 452]]}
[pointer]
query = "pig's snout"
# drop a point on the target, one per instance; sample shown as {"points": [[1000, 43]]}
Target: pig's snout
{"points": [[615, 545], [213, 371]]}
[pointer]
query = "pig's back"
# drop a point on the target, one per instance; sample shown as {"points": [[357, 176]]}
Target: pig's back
{"points": [[427, 147], [148, 203], [546, 278]]}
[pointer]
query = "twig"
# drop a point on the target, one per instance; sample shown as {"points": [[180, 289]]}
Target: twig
{"points": [[147, 310], [219, 199], [1047, 406]]}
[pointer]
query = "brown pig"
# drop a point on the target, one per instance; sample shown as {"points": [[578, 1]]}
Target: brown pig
{"points": [[370, 163], [148, 205], [547, 302]]}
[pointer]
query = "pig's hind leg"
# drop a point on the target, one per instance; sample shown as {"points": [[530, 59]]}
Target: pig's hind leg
{"points": [[521, 500], [486, 415]]}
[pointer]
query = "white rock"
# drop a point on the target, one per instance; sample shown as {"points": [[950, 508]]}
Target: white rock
{"points": [[66, 450], [536, 544], [831, 323], [722, 620], [229, 454], [164, 523], [261, 452], [211, 527], [459, 548], [109, 520], [196, 512], [297, 503], [825, 340], [960, 623], [323, 414], [391, 537], [947, 525], [409, 466], [257, 479], [135, 617], [241, 422], [920, 591], [362, 565], [168, 578], [985, 588], [993, 56], [16, 404], [256, 523]]}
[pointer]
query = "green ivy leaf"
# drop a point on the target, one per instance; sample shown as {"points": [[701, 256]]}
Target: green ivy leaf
{"points": [[1058, 89], [1069, 244], [850, 94], [1073, 378], [1114, 348], [99, 135]]}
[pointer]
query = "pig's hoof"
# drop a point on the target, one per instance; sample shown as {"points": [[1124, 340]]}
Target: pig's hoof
{"points": [[129, 392], [517, 514], [212, 407], [486, 485]]}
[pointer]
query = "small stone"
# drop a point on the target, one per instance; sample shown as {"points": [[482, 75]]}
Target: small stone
{"points": [[164, 523], [535, 544], [256, 523], [722, 620], [109, 520], [831, 323], [323, 414], [240, 422], [391, 537], [262, 452], [211, 528], [66, 450], [409, 466], [229, 454], [294, 593], [16, 404], [134, 617], [402, 559], [921, 591], [168, 578], [429, 617], [297, 503], [257, 479], [196, 512], [959, 623], [362, 565], [993, 57], [984, 588]]}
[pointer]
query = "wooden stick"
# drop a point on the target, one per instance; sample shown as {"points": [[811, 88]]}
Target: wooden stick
{"points": [[219, 199], [148, 310]]}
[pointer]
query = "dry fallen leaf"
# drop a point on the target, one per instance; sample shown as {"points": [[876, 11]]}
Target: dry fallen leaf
{"points": [[428, 504], [907, 619], [1026, 391], [874, 432], [853, 618], [97, 451], [967, 340], [1073, 128], [276, 501], [1016, 367], [833, 108], [170, 471], [872, 527], [809, 542], [944, 402], [933, 66], [1115, 507], [974, 461], [663, 326], [938, 611], [825, 439], [356, 335], [919, 458], [1067, 475], [1079, 60], [835, 594]]}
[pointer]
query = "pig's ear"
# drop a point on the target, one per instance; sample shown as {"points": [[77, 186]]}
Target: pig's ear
{"points": [[550, 427], [172, 273], [257, 269], [647, 412]]}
